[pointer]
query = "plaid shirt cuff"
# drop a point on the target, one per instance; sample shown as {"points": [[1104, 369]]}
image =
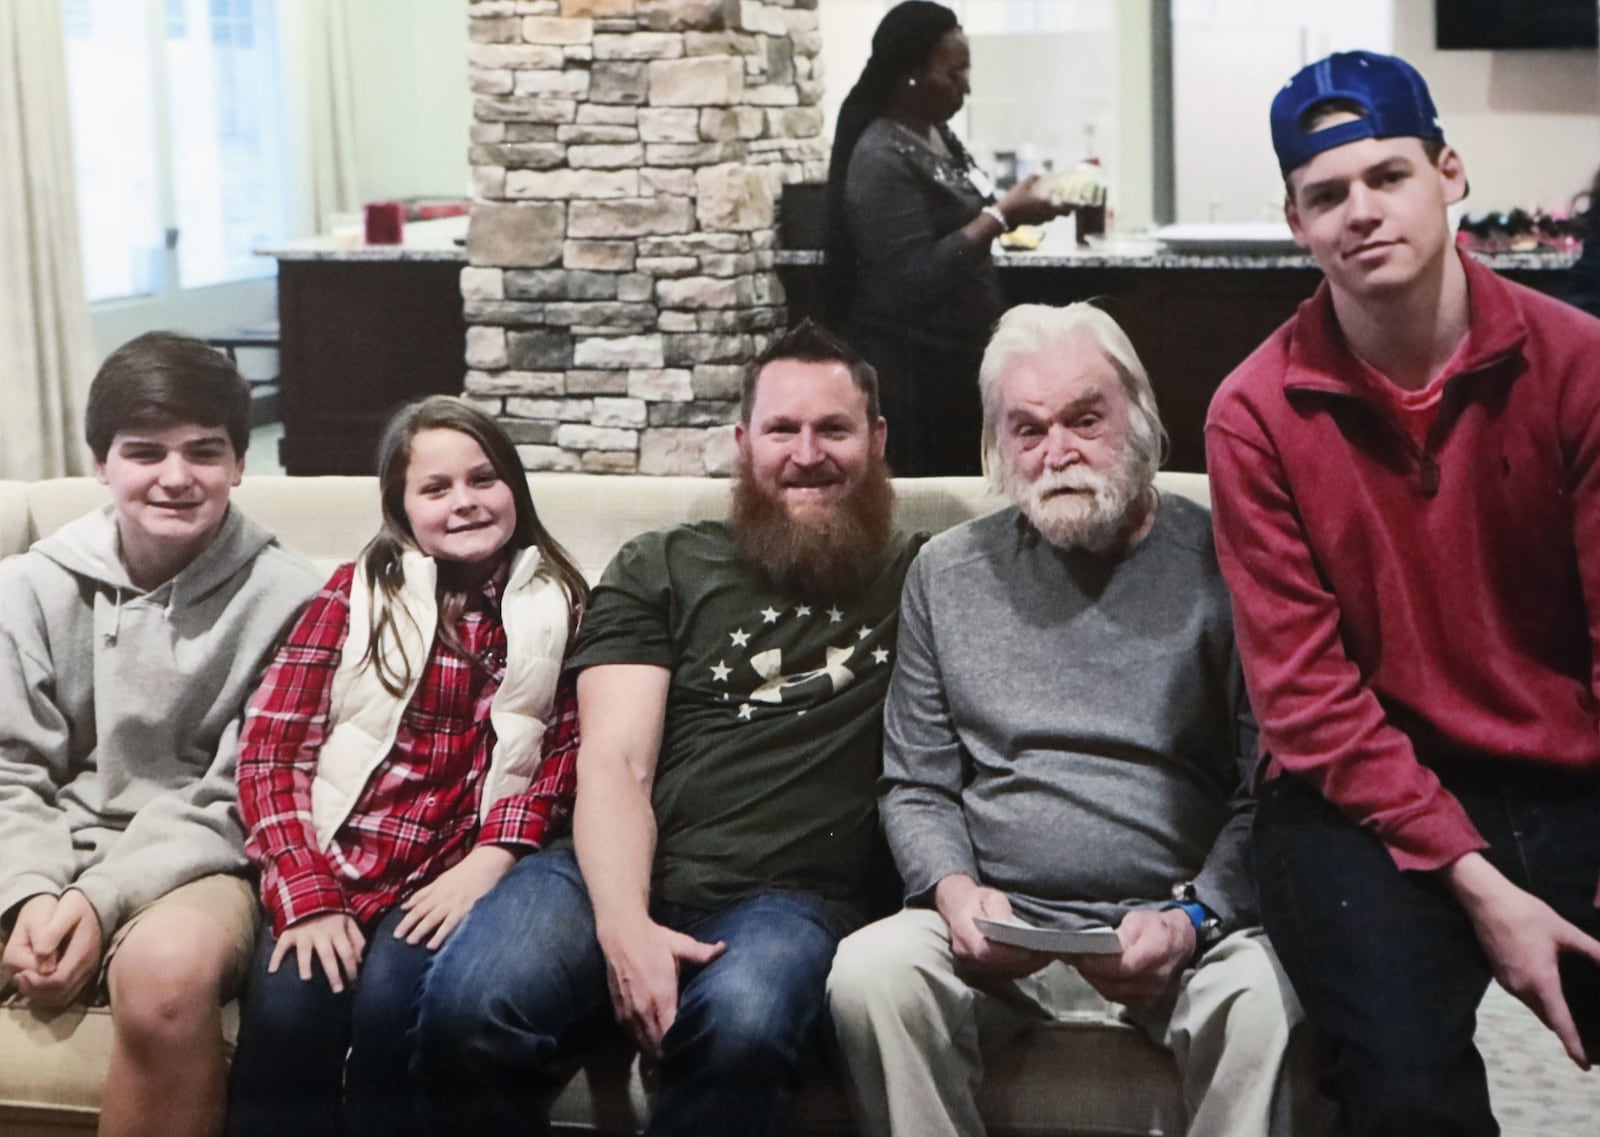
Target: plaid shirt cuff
{"points": [[521, 822], [295, 892]]}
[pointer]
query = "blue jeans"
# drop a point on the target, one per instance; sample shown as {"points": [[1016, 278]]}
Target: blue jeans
{"points": [[518, 994], [317, 1064], [1386, 963]]}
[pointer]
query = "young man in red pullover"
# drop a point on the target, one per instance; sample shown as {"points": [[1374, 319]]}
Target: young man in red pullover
{"points": [[1406, 489]]}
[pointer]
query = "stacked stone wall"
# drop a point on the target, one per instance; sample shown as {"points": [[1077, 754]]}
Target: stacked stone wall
{"points": [[627, 157]]}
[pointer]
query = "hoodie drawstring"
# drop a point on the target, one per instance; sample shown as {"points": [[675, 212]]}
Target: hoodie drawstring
{"points": [[116, 615]]}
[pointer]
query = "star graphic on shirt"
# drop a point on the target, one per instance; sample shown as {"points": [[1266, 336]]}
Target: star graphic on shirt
{"points": [[769, 615], [745, 711], [740, 637], [863, 632], [803, 611], [880, 656], [835, 615], [720, 671]]}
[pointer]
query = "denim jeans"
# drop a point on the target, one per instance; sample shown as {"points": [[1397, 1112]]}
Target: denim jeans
{"points": [[317, 1064], [1386, 963], [517, 996]]}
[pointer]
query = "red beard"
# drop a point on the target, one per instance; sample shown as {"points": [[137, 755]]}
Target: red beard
{"points": [[817, 556]]}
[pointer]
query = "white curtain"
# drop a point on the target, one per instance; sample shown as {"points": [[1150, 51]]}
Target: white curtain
{"points": [[47, 351], [317, 65]]}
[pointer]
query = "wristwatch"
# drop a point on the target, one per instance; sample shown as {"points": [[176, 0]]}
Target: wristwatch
{"points": [[1207, 927]]}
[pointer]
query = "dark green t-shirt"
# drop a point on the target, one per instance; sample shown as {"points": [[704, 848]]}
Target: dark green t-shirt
{"points": [[772, 744]]}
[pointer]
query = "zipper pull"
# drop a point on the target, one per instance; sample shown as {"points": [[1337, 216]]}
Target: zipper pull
{"points": [[1430, 476]]}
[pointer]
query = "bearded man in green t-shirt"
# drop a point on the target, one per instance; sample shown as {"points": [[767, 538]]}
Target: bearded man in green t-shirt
{"points": [[730, 699]]}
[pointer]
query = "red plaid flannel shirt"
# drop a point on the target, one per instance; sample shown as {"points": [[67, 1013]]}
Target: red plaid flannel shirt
{"points": [[417, 815]]}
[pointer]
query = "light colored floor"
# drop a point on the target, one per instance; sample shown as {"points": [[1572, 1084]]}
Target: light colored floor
{"points": [[1537, 1091]]}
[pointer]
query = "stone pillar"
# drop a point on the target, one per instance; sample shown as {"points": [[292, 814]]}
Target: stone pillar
{"points": [[626, 159]]}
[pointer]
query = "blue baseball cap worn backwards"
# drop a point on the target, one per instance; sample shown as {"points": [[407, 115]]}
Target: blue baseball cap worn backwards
{"points": [[1389, 90]]}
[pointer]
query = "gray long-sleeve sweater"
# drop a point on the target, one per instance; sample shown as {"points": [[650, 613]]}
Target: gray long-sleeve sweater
{"points": [[1071, 730]]}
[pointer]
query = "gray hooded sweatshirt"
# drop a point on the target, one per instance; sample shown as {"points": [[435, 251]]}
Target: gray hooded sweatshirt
{"points": [[119, 710]]}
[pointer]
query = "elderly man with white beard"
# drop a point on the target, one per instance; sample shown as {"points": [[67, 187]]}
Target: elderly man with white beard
{"points": [[1068, 743]]}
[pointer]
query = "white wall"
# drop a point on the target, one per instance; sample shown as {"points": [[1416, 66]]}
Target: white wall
{"points": [[413, 107], [1527, 123], [1229, 59]]}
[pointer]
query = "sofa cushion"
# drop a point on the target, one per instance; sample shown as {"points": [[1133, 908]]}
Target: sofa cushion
{"points": [[52, 1065], [15, 527]]}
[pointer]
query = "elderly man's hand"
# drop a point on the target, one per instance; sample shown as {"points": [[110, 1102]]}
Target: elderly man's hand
{"points": [[961, 900], [1156, 948]]}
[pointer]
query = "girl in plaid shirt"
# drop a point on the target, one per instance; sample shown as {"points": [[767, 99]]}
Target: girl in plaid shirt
{"points": [[411, 739]]}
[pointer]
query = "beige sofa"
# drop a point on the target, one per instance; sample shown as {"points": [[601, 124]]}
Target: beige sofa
{"points": [[1095, 1076]]}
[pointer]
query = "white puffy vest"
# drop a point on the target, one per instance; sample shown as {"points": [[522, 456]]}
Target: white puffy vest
{"points": [[365, 717]]}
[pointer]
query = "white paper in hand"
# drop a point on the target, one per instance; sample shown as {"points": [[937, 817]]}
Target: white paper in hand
{"points": [[1099, 940]]}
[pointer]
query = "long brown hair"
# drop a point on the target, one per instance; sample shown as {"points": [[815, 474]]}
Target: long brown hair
{"points": [[382, 555]]}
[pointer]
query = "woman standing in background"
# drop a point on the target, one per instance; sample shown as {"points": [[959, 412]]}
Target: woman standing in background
{"points": [[909, 279], [1583, 279]]}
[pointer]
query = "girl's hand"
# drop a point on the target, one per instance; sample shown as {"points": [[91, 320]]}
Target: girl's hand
{"points": [[334, 938], [433, 911]]}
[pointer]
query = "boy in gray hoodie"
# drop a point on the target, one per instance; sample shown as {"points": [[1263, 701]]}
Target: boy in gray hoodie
{"points": [[129, 643]]}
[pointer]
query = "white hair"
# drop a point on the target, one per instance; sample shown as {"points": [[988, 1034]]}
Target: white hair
{"points": [[1034, 329]]}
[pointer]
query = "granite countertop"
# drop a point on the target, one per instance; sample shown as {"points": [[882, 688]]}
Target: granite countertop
{"points": [[1149, 255], [438, 240], [443, 240]]}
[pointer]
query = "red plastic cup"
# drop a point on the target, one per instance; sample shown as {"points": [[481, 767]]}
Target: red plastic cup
{"points": [[385, 219]]}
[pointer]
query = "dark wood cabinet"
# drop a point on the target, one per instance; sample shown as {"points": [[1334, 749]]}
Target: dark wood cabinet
{"points": [[361, 337], [1190, 325]]}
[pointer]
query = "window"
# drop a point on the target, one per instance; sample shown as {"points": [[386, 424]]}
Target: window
{"points": [[177, 120]]}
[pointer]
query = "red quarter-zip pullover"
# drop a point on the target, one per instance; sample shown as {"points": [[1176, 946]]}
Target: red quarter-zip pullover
{"points": [[1399, 603]]}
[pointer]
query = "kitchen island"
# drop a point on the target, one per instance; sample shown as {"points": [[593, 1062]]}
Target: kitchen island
{"points": [[1193, 317], [364, 329]]}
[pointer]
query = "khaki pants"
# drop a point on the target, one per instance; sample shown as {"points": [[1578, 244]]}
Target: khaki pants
{"points": [[914, 1034]]}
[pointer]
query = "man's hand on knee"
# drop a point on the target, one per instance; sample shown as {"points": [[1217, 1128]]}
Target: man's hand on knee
{"points": [[61, 939], [1524, 939], [643, 966]]}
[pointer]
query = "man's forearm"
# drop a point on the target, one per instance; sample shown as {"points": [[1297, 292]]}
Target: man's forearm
{"points": [[620, 712], [614, 832]]}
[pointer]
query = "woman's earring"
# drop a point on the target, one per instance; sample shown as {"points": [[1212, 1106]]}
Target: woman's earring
{"points": [[911, 81]]}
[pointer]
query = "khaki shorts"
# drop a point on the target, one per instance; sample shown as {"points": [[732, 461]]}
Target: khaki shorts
{"points": [[227, 899]]}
